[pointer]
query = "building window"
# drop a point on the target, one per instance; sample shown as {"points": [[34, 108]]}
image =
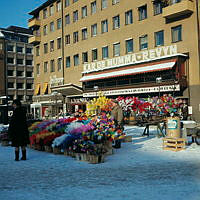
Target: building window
{"points": [[51, 10], [142, 12], [45, 13], [67, 3], [52, 27], [157, 8], [93, 7], [38, 69], [37, 50], [10, 85], [159, 38], [75, 1], [59, 23], [84, 12], [29, 62], [67, 39], [143, 40], [75, 37], [85, 57], [104, 4], [10, 48], [59, 43], [105, 52], [29, 74], [20, 73], [10, 60], [29, 50], [58, 6], [76, 60], [104, 26], [115, 1], [29, 86], [84, 34], [46, 48], [128, 17], [45, 67], [94, 54], [19, 49], [45, 30], [52, 66], [116, 49], [129, 46], [20, 86], [59, 64], [20, 61], [20, 97], [116, 22], [51, 45], [94, 30], [177, 33], [10, 72], [75, 16], [68, 61]]}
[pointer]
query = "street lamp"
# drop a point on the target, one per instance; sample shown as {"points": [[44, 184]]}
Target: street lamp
{"points": [[159, 80]]}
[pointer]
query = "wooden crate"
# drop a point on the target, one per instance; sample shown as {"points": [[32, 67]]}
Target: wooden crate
{"points": [[174, 144]]}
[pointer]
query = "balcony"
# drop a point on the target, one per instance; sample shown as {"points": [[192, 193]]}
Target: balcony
{"points": [[33, 23], [34, 40], [182, 8]]}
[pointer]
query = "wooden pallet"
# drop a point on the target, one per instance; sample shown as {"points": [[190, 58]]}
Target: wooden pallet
{"points": [[174, 144]]}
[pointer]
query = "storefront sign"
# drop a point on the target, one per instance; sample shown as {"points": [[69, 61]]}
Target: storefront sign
{"points": [[54, 81], [135, 58], [166, 88]]}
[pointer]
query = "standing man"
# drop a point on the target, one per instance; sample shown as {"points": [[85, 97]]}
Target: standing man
{"points": [[18, 129], [117, 114]]}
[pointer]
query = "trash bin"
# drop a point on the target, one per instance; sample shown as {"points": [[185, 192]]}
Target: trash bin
{"points": [[173, 127]]}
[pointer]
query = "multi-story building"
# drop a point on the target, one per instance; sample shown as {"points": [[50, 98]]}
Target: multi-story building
{"points": [[16, 64], [138, 48]]}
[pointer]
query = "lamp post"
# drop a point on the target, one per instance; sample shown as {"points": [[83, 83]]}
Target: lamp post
{"points": [[159, 80]]}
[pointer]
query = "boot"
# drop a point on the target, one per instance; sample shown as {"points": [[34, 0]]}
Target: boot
{"points": [[23, 155], [16, 155]]}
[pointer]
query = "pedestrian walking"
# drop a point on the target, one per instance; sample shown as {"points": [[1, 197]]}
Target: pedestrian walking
{"points": [[18, 129], [117, 114]]}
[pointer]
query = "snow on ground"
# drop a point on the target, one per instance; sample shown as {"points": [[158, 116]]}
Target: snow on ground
{"points": [[140, 170]]}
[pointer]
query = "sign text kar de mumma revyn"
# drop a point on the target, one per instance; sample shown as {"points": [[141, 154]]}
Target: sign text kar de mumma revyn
{"points": [[134, 58]]}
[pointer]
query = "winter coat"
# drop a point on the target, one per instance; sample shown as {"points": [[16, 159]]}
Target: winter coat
{"points": [[117, 114], [18, 128]]}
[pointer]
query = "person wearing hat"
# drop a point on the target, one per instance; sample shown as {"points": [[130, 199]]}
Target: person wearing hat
{"points": [[18, 130], [117, 114]]}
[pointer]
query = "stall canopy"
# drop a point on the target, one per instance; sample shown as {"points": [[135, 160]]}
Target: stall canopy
{"points": [[130, 71]]}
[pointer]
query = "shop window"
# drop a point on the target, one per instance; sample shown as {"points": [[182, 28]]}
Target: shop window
{"points": [[143, 40], [142, 12], [159, 38], [177, 33]]}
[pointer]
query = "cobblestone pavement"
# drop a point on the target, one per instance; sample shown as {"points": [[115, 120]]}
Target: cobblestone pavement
{"points": [[124, 175]]}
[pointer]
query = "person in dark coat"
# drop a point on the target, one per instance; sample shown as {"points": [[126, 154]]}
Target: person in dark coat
{"points": [[18, 130]]}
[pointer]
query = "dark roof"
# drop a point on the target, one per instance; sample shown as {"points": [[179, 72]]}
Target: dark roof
{"points": [[44, 5], [18, 29]]}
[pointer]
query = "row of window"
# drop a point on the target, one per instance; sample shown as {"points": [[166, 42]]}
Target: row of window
{"points": [[20, 97], [12, 85], [129, 45], [104, 4], [19, 49], [19, 73], [19, 61]]}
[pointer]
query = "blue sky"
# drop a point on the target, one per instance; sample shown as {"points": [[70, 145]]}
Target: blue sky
{"points": [[15, 12]]}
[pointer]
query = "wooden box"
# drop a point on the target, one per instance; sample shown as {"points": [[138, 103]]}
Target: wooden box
{"points": [[174, 144]]}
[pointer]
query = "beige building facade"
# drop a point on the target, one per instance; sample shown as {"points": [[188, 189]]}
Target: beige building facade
{"points": [[138, 48]]}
